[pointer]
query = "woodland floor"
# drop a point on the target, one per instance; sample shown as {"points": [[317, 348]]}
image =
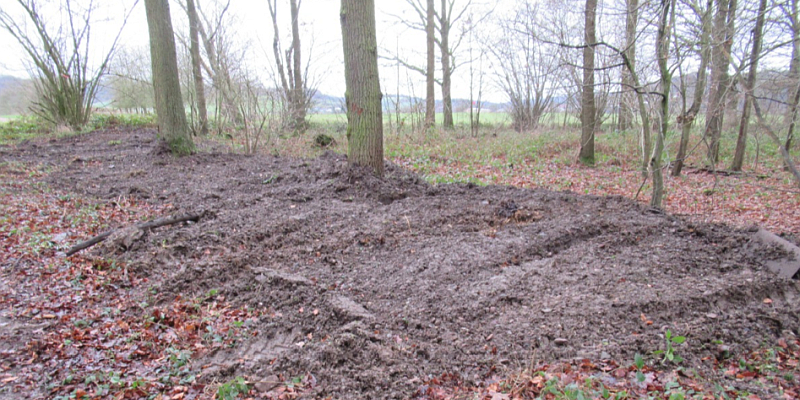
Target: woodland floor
{"points": [[310, 278]]}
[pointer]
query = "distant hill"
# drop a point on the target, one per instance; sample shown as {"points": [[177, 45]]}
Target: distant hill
{"points": [[8, 81], [16, 95], [327, 104]]}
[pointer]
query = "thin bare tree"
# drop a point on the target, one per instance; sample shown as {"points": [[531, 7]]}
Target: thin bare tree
{"points": [[66, 71], [792, 13], [588, 112], [197, 61], [430, 66], [626, 98], [703, 47], [722, 41], [526, 67], [749, 87], [293, 79]]}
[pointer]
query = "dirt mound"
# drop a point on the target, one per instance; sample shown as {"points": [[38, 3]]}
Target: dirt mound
{"points": [[375, 285]]}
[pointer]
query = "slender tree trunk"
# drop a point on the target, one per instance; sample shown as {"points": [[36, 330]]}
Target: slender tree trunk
{"points": [[625, 121], [197, 72], [447, 99], [720, 79], [363, 96], [687, 119], [299, 97], [472, 129], [430, 96], [169, 103], [287, 98], [794, 71], [220, 77], [666, 84], [588, 114], [741, 142]]}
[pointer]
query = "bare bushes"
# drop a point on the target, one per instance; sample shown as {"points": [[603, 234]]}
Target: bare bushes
{"points": [[65, 69]]}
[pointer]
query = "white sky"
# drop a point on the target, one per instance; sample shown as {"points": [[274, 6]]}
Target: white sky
{"points": [[320, 27]]}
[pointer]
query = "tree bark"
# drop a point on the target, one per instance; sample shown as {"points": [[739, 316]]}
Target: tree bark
{"points": [[588, 114], [720, 79], [794, 71], [299, 97], [363, 96], [430, 96], [197, 72], [755, 54], [662, 43], [687, 119], [276, 51], [169, 102], [447, 98], [625, 121]]}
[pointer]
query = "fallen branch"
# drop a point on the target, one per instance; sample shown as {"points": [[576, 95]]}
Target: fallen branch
{"points": [[143, 226]]}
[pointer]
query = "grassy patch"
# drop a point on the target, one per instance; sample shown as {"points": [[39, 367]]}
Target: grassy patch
{"points": [[105, 121], [22, 128]]}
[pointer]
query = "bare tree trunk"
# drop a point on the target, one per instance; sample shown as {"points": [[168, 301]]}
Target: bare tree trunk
{"points": [[220, 76], [472, 127], [430, 96], [687, 119], [447, 99], [276, 46], [197, 72], [794, 71], [588, 114], [169, 103], [363, 96], [299, 97], [625, 121], [741, 142], [666, 84], [720, 79]]}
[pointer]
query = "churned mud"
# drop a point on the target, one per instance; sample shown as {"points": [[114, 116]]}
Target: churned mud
{"points": [[375, 285]]}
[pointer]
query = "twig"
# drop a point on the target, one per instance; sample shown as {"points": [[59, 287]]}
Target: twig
{"points": [[644, 181], [143, 226]]}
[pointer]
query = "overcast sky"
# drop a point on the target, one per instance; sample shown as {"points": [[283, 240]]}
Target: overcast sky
{"points": [[252, 25]]}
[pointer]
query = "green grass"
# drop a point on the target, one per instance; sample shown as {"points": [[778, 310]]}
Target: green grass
{"points": [[22, 128], [102, 120]]}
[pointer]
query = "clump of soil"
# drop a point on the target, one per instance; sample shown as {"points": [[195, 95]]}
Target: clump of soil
{"points": [[376, 285]]}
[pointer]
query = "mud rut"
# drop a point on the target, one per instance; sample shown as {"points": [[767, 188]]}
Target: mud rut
{"points": [[412, 280]]}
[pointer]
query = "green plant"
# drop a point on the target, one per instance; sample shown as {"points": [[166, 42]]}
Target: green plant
{"points": [[639, 362], [232, 389], [676, 392], [570, 392], [669, 351]]}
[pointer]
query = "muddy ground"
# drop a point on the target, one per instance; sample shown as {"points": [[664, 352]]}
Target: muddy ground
{"points": [[375, 286]]}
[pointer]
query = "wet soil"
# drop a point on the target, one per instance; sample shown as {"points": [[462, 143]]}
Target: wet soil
{"points": [[376, 285]]}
